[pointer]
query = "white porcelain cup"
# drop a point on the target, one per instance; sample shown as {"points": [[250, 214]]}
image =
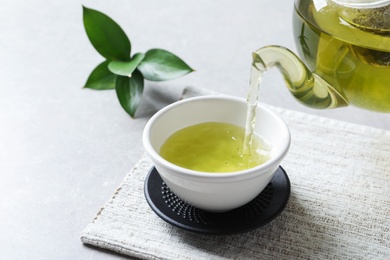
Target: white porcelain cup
{"points": [[209, 191]]}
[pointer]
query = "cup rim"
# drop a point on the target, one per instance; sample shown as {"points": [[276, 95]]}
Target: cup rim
{"points": [[155, 156]]}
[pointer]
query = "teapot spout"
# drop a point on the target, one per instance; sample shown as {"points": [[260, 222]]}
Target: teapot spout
{"points": [[307, 87]]}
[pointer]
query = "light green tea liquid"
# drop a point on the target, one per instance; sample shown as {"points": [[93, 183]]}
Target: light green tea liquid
{"points": [[214, 147], [350, 50]]}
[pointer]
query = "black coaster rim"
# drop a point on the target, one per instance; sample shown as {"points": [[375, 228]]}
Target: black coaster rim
{"points": [[258, 212]]}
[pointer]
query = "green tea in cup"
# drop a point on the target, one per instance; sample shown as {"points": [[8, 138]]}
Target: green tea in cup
{"points": [[214, 147]]}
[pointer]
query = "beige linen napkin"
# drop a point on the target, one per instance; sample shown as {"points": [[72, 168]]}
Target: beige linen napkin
{"points": [[339, 206]]}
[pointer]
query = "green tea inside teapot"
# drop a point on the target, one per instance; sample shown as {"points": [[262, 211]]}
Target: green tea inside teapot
{"points": [[345, 45]]}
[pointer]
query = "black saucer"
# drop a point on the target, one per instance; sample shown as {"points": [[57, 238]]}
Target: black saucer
{"points": [[260, 211]]}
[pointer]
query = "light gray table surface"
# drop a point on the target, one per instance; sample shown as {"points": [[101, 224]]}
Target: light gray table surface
{"points": [[64, 150]]}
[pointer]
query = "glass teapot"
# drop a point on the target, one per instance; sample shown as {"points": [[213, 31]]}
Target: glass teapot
{"points": [[345, 45]]}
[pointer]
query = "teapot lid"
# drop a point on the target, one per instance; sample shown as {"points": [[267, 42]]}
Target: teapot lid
{"points": [[362, 3]]}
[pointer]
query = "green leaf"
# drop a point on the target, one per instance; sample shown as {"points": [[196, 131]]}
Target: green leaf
{"points": [[129, 91], [101, 78], [106, 36], [125, 68], [159, 65]]}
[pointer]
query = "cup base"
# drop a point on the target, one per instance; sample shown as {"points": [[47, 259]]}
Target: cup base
{"points": [[258, 212]]}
